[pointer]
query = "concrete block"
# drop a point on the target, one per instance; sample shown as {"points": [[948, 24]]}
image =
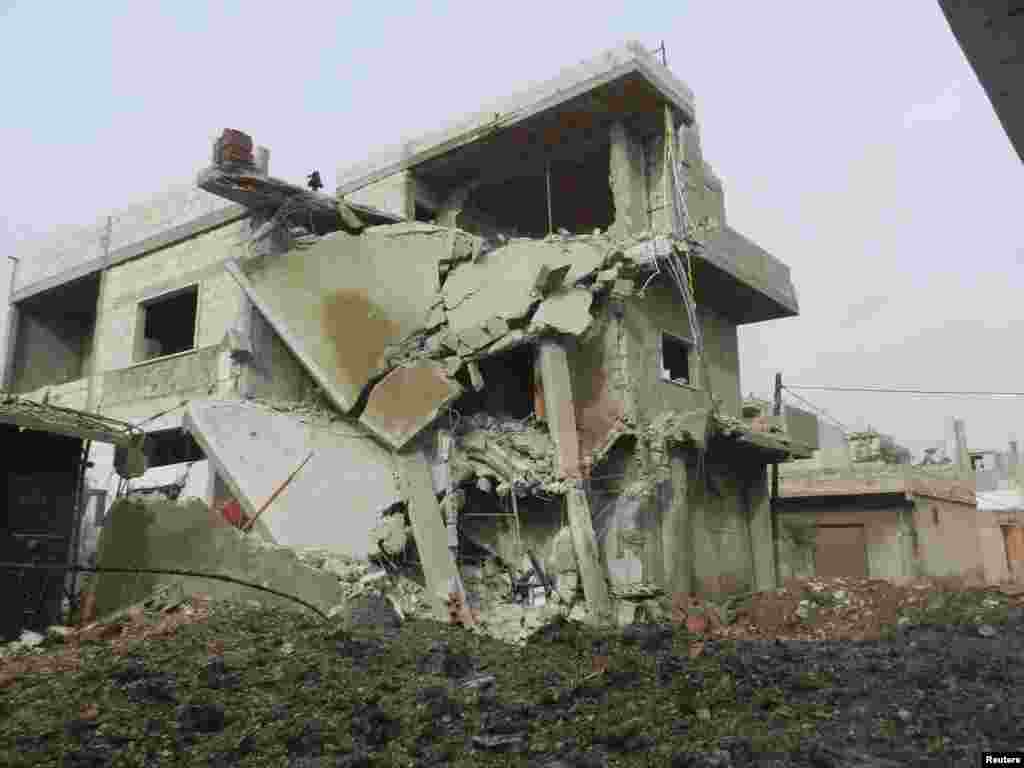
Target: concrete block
{"points": [[567, 311], [341, 302], [407, 400], [335, 500]]}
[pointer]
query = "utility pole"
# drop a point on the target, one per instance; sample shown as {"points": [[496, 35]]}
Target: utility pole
{"points": [[776, 411]]}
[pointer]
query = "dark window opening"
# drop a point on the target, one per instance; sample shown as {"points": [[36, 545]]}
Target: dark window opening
{"points": [[675, 359], [935, 515], [580, 199], [53, 337], [171, 446], [168, 324], [508, 385]]}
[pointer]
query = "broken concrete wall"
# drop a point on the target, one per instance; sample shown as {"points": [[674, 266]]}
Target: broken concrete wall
{"points": [[166, 535], [337, 496], [601, 385], [341, 302]]}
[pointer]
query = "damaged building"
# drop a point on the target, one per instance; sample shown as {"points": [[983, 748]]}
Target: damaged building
{"points": [[515, 338]]}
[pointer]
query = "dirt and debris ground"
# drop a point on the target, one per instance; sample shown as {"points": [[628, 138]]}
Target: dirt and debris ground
{"points": [[230, 684]]}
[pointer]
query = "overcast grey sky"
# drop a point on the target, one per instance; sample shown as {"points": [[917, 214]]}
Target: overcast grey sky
{"points": [[854, 141]]}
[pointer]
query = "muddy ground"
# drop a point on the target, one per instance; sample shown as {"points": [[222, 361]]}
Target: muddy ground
{"points": [[232, 685]]}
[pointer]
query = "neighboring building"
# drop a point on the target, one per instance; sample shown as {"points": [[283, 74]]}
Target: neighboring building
{"points": [[991, 34], [878, 516], [544, 328]]}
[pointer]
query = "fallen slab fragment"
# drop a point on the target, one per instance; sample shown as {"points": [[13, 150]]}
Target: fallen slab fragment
{"points": [[407, 400], [335, 499], [439, 570], [567, 311], [504, 283], [341, 302], [191, 536]]}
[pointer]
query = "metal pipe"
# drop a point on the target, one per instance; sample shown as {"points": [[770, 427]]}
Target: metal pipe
{"points": [[77, 517], [8, 358]]}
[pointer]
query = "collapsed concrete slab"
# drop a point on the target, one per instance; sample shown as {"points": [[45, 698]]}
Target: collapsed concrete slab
{"points": [[339, 303], [506, 282], [336, 498], [190, 536], [407, 400]]}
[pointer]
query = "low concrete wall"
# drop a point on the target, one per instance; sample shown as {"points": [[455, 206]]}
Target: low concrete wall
{"points": [[189, 536]]}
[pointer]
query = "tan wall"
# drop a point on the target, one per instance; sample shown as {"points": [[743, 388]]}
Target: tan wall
{"points": [[951, 547]]}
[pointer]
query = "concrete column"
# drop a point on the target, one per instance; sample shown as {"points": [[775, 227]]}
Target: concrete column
{"points": [[678, 530], [626, 175], [439, 569], [762, 540], [553, 364], [963, 456]]}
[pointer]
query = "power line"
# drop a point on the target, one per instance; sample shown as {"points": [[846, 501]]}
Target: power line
{"points": [[907, 391], [818, 409]]}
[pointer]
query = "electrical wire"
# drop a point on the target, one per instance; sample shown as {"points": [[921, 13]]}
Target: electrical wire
{"points": [[889, 390], [819, 410]]}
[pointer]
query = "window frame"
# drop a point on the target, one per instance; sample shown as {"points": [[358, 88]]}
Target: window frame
{"points": [[691, 367], [142, 307]]}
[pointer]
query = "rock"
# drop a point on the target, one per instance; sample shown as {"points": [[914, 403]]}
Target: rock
{"points": [[987, 630], [904, 715], [30, 639], [479, 681], [202, 718]]}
